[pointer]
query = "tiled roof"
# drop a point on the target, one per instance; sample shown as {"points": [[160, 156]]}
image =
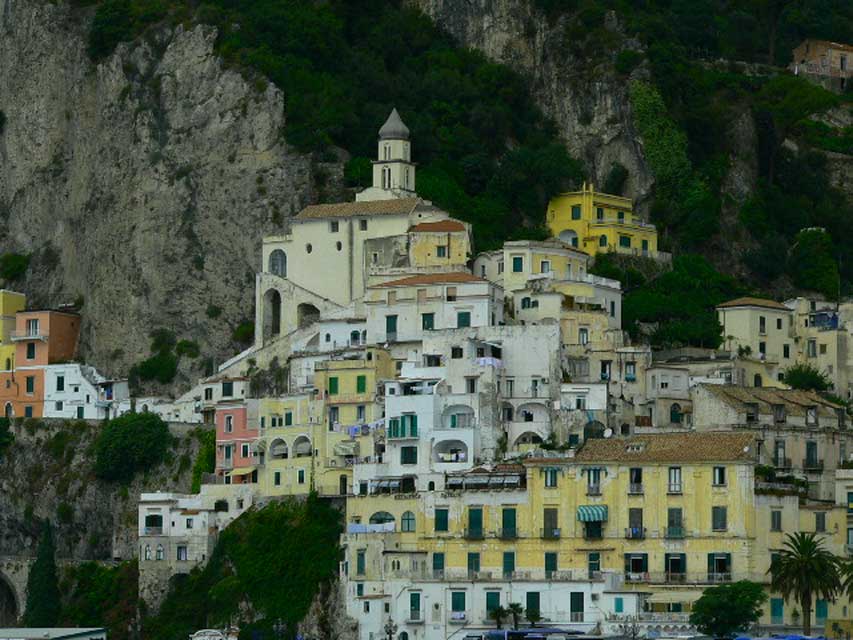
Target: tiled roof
{"points": [[671, 448], [396, 206], [829, 43], [795, 400], [432, 278], [753, 302], [440, 226]]}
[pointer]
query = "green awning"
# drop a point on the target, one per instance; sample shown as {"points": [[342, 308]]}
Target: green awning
{"points": [[592, 513]]}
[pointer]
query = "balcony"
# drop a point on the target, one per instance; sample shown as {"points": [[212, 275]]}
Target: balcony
{"points": [[153, 531], [675, 578], [719, 577], [474, 534], [21, 336], [509, 533], [635, 488], [458, 617], [813, 465], [635, 533], [781, 462], [593, 490], [675, 533], [639, 576], [550, 533], [674, 488]]}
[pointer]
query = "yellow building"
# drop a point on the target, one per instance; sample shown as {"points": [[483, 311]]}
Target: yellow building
{"points": [[662, 517], [443, 243], [10, 303], [598, 222], [522, 260]]}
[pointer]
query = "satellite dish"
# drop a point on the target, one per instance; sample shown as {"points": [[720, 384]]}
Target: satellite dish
{"points": [[608, 433]]}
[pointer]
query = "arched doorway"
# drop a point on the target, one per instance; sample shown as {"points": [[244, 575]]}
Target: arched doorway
{"points": [[272, 314], [569, 237], [9, 412], [306, 315], [8, 605]]}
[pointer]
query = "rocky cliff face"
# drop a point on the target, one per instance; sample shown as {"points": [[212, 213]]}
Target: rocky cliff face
{"points": [[141, 186], [583, 95]]}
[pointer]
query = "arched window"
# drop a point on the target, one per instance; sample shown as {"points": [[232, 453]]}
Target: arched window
{"points": [[675, 413], [407, 521], [381, 517], [147, 555], [404, 635], [525, 303], [602, 241], [160, 554], [431, 486], [328, 337], [338, 245], [278, 263], [354, 337], [756, 380]]}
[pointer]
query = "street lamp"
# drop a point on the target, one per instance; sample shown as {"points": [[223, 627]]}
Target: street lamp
{"points": [[390, 629]]}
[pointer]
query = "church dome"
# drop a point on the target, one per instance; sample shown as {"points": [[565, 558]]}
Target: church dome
{"points": [[394, 129]]}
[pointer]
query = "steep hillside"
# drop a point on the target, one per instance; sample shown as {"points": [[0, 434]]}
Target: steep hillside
{"points": [[141, 186]]}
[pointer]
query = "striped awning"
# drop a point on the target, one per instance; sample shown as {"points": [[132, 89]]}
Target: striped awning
{"points": [[592, 513]]}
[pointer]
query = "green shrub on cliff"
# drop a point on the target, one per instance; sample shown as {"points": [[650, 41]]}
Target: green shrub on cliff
{"points": [[277, 558], [99, 596], [129, 444], [6, 436], [205, 461], [42, 584]]}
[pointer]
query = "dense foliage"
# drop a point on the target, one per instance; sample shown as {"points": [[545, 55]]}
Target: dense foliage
{"points": [[6, 436], [130, 444], [43, 605], [723, 611], [276, 558], [205, 461], [13, 266], [807, 376], [99, 596], [677, 306]]}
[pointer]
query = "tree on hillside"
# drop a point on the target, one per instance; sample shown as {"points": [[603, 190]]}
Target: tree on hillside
{"points": [[130, 443], [812, 263], [43, 585], [728, 609], [808, 377], [805, 570]]}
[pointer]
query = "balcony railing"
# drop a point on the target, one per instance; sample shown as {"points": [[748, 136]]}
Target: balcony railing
{"points": [[17, 336], [458, 617], [474, 534], [576, 616], [635, 533], [719, 577], [813, 464], [593, 490], [675, 533], [153, 531], [415, 617], [674, 487], [635, 488], [675, 578], [638, 576], [550, 533], [781, 462], [509, 533]]}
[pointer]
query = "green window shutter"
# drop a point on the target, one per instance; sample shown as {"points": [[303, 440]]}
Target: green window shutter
{"points": [[576, 602], [413, 426], [453, 421], [428, 321], [645, 562], [359, 563], [395, 427], [509, 562], [550, 562], [437, 558], [441, 522], [473, 561], [493, 600], [576, 212], [619, 605], [333, 386], [532, 601], [415, 601], [288, 419], [475, 519], [361, 384], [457, 601], [508, 520], [517, 264], [390, 324], [463, 319]]}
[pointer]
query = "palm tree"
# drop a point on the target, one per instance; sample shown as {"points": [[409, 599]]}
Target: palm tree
{"points": [[499, 614], [533, 616], [515, 610], [805, 570], [845, 569]]}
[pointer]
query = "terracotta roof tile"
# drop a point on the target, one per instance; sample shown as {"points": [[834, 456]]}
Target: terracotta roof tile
{"points": [[398, 206], [795, 400], [432, 278], [753, 302], [671, 448], [439, 226]]}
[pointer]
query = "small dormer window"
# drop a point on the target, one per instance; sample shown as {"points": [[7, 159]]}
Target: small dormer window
{"points": [[751, 413]]}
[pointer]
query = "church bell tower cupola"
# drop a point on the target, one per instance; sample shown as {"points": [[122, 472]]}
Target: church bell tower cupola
{"points": [[393, 170]]}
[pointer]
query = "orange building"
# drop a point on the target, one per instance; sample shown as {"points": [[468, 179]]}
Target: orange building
{"points": [[41, 338]]}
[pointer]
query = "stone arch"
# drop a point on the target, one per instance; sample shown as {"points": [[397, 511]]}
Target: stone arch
{"points": [[9, 410], [272, 313], [528, 437], [306, 315], [278, 449], [675, 413], [569, 237], [278, 263], [10, 609], [381, 517], [302, 447]]}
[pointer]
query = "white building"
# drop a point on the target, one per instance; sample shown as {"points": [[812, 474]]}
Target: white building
{"points": [[75, 391]]}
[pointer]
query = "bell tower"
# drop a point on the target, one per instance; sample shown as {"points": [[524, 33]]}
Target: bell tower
{"points": [[393, 170]]}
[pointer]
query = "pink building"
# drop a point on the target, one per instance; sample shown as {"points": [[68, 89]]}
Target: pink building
{"points": [[236, 435]]}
